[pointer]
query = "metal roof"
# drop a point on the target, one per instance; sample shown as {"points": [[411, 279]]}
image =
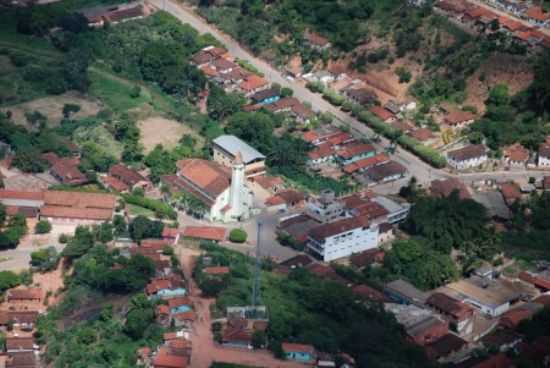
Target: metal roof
{"points": [[233, 145]]}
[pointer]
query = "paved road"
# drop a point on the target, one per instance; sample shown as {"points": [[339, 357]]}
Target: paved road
{"points": [[421, 170]]}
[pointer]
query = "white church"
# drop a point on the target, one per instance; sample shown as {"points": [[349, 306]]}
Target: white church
{"points": [[222, 189]]}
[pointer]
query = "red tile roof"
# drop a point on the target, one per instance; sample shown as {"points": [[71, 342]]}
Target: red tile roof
{"points": [[252, 83], [209, 176], [216, 270], [297, 348], [162, 309], [459, 117], [80, 199], [468, 152], [128, 176], [95, 214], [322, 151], [382, 113], [517, 153], [367, 257], [366, 292], [170, 232], [268, 182], [186, 316], [165, 359], [510, 24], [316, 39], [340, 138], [444, 188], [513, 317], [450, 306], [534, 279], [371, 210], [114, 184], [310, 136], [543, 299], [537, 13], [19, 343], [156, 285], [366, 163], [205, 232], [355, 149], [68, 173], [22, 195], [510, 192], [24, 294], [422, 134], [324, 231]]}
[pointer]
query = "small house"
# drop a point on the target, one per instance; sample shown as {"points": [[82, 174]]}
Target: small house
{"points": [[299, 352]]}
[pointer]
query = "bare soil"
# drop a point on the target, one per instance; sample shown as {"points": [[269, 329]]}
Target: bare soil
{"points": [[52, 107], [159, 130], [499, 69]]}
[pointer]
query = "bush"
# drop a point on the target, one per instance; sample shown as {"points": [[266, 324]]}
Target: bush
{"points": [[238, 236], [403, 74], [160, 208], [135, 92], [43, 227], [427, 154], [63, 238], [333, 97]]}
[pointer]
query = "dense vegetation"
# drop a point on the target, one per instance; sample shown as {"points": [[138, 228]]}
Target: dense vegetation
{"points": [[11, 231], [96, 332], [303, 308]]}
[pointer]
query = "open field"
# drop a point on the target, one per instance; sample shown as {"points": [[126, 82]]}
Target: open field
{"points": [[158, 130], [52, 108]]}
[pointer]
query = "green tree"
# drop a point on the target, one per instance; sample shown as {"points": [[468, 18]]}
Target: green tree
{"points": [[139, 317], [238, 236], [222, 104], [45, 259], [8, 280], [142, 228], [43, 227]]}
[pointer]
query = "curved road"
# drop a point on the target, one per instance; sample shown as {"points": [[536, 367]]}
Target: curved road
{"points": [[418, 168]]}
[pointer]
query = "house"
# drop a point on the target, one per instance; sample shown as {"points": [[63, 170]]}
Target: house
{"points": [[365, 292], [366, 163], [510, 193], [404, 292], [322, 135], [296, 227], [299, 352], [537, 16], [179, 304], [386, 172], [67, 173], [166, 359], [516, 155], [316, 41], [21, 360], [325, 208], [354, 152], [184, 319], [544, 156], [266, 97], [23, 320], [396, 212], [225, 194], [372, 210], [171, 234], [383, 114], [443, 348], [342, 238], [539, 280], [421, 325], [459, 119], [252, 84], [501, 339], [490, 297], [216, 234], [321, 154], [444, 187], [272, 184], [130, 177], [512, 318], [362, 96], [24, 295], [460, 315], [423, 135], [367, 258], [239, 332], [100, 15], [77, 207], [286, 199], [225, 149], [208, 55], [467, 157], [294, 107], [20, 344]]}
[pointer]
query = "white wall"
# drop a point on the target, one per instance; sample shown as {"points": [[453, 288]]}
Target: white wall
{"points": [[347, 243]]}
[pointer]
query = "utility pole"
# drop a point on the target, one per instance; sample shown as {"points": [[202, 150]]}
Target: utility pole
{"points": [[257, 275]]}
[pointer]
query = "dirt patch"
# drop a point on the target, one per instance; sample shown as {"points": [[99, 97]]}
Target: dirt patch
{"points": [[498, 69], [52, 107], [158, 130]]}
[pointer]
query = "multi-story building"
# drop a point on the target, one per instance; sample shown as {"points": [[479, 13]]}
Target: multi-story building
{"points": [[342, 238], [326, 208], [225, 149], [467, 157]]}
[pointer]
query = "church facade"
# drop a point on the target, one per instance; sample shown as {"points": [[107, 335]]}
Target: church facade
{"points": [[222, 190]]}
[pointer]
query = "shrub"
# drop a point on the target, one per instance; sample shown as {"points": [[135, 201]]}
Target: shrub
{"points": [[333, 97], [63, 238], [160, 208], [238, 236], [403, 74], [43, 227], [135, 92]]}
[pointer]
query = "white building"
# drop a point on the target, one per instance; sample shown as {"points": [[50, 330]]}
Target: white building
{"points": [[342, 238], [544, 156], [326, 208], [397, 212], [225, 149], [468, 157], [225, 193]]}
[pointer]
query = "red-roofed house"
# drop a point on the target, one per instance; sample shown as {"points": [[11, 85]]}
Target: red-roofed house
{"points": [[166, 359], [252, 84], [459, 119], [321, 154], [510, 192], [364, 164], [317, 41], [368, 293], [537, 15], [512, 318], [381, 113], [205, 233], [516, 155], [354, 152], [299, 352], [460, 315], [538, 281]]}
